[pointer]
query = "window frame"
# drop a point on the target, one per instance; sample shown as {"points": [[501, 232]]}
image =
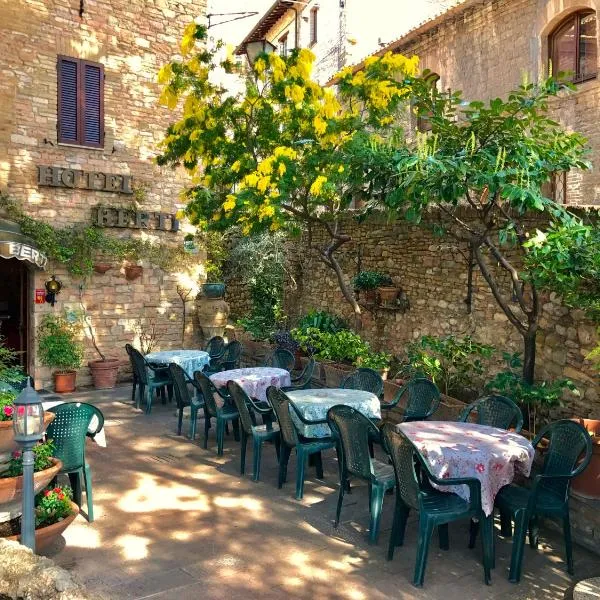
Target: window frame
{"points": [[313, 22], [80, 94], [574, 17], [282, 44]]}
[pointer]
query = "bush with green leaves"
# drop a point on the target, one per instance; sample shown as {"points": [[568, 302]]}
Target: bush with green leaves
{"points": [[379, 361], [452, 363], [42, 460], [370, 280], [58, 343], [531, 397], [10, 371], [323, 321], [53, 505]]}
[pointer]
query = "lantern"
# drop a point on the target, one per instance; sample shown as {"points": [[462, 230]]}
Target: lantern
{"points": [[53, 287], [253, 49]]}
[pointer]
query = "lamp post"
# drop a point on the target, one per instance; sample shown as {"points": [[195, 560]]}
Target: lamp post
{"points": [[253, 49], [28, 427]]}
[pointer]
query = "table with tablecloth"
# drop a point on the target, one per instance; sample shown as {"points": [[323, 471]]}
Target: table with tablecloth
{"points": [[254, 380], [189, 360], [314, 404], [491, 455]]}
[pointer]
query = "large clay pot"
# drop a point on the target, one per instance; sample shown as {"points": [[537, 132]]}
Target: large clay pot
{"points": [[104, 373], [7, 437], [212, 315], [11, 490], [213, 290], [587, 485], [64, 382], [45, 536]]}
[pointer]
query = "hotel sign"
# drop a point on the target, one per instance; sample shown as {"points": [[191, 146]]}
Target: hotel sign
{"points": [[84, 180], [22, 251], [104, 216]]}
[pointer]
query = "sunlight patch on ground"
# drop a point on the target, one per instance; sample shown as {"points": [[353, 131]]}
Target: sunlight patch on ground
{"points": [[133, 547], [245, 502], [82, 535]]}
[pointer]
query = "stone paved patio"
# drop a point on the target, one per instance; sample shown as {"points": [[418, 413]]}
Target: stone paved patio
{"points": [[174, 521]]}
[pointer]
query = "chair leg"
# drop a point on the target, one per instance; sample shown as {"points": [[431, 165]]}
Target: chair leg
{"points": [[236, 429], [278, 447], [444, 537], [193, 420], [148, 393], [516, 559], [133, 386], [568, 543], [75, 481], [243, 444], [376, 506], [301, 460], [505, 524], [161, 393], [338, 510], [140, 395], [220, 435], [283, 460], [425, 531], [487, 539], [206, 428], [170, 392], [398, 527], [534, 533], [258, 443], [473, 531], [371, 449], [319, 465], [180, 421], [89, 496]]}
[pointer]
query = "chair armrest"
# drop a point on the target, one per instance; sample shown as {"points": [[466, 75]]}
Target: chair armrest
{"points": [[254, 403]]}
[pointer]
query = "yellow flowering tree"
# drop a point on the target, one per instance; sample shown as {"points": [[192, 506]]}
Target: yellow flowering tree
{"points": [[288, 153]]}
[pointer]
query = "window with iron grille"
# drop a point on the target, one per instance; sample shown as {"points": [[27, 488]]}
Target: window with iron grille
{"points": [[313, 26], [558, 187], [80, 102]]}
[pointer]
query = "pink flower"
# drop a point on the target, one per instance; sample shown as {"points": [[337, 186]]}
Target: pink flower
{"points": [[480, 468], [16, 454], [8, 411], [21, 411]]}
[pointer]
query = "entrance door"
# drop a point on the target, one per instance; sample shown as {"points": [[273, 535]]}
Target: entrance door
{"points": [[14, 308]]}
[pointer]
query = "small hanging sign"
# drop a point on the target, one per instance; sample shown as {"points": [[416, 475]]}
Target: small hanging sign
{"points": [[40, 296]]}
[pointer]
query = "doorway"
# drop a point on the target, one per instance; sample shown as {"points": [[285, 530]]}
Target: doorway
{"points": [[14, 307]]}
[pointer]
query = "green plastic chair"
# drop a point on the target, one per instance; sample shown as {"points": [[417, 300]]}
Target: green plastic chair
{"points": [[258, 433], [184, 398], [353, 431], [291, 439], [223, 414], [568, 453], [215, 347], [228, 360], [303, 380], [151, 379], [281, 358], [436, 509], [495, 411], [364, 379], [134, 372], [422, 401], [68, 431]]}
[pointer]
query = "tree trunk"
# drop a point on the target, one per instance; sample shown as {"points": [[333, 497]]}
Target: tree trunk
{"points": [[529, 354]]}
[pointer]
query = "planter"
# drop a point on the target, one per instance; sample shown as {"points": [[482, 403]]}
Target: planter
{"points": [[587, 485], [132, 272], [335, 373], [7, 437], [45, 536], [212, 315], [64, 381], [388, 294], [101, 268], [104, 373], [370, 296], [11, 490], [213, 290]]}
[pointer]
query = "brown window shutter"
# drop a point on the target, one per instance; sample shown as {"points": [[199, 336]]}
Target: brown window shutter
{"points": [[93, 104], [68, 80]]}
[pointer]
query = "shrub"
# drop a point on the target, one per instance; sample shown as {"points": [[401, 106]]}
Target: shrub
{"points": [[370, 280], [53, 505], [58, 344], [42, 454], [323, 321]]}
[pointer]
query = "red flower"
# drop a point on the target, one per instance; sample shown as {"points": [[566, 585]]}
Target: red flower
{"points": [[57, 490], [61, 496], [16, 454], [480, 468], [8, 411], [47, 493], [21, 411]]}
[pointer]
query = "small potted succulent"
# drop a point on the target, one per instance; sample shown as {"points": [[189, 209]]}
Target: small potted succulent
{"points": [[367, 282], [60, 349]]}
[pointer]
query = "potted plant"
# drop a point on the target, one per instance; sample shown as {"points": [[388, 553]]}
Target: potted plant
{"points": [[60, 349], [216, 254], [54, 512], [368, 282]]}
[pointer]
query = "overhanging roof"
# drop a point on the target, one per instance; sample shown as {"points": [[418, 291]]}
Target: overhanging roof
{"points": [[14, 244]]}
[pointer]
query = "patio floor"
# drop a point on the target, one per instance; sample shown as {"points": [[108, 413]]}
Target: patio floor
{"points": [[174, 521]]}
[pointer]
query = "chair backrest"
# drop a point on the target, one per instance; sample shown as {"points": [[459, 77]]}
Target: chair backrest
{"points": [[280, 404], [208, 391], [364, 379], [568, 453], [403, 454], [281, 358], [180, 385], [232, 354], [215, 346], [241, 400], [69, 429], [423, 398], [495, 411], [139, 364], [352, 428], [128, 349]]}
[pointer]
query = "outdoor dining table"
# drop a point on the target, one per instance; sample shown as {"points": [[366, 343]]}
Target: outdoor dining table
{"points": [[189, 360], [253, 380], [492, 455], [314, 404]]}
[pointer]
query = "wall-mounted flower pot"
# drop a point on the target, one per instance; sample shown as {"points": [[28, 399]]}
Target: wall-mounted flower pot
{"points": [[101, 268], [132, 272], [104, 373], [213, 290], [7, 436], [388, 294], [64, 381], [369, 296]]}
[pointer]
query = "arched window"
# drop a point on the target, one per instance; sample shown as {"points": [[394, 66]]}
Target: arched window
{"points": [[573, 46]]}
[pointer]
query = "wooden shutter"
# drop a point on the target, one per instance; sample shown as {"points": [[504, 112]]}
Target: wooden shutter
{"points": [[92, 104], [68, 85]]}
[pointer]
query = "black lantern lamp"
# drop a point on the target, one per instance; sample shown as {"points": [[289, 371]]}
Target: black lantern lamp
{"points": [[53, 287], [253, 49], [28, 428]]}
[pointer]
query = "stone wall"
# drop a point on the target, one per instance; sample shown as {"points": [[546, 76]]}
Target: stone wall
{"points": [[132, 40]]}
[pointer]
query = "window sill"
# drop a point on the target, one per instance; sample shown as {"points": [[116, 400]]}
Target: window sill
{"points": [[80, 146]]}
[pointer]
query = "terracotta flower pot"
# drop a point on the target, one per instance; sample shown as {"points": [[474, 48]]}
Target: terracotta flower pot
{"points": [[133, 272], [64, 381], [11, 490], [370, 296], [7, 437], [388, 294], [335, 373], [104, 373], [45, 536], [102, 268], [587, 484]]}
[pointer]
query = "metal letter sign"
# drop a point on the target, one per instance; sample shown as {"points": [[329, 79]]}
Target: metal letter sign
{"points": [[84, 180]]}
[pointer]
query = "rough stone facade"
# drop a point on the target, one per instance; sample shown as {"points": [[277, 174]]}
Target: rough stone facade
{"points": [[132, 39]]}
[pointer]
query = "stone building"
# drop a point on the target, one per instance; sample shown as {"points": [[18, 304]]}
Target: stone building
{"points": [[79, 128]]}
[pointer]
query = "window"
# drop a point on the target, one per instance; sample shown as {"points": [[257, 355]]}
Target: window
{"points": [[573, 46], [313, 26], [80, 102], [283, 45], [559, 187], [423, 121]]}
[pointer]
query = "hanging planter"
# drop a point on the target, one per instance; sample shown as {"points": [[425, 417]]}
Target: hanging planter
{"points": [[132, 272], [101, 268], [388, 294]]}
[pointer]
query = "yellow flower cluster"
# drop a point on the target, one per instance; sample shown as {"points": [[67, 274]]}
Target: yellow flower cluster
{"points": [[229, 203], [317, 185], [188, 40], [278, 67], [295, 93]]}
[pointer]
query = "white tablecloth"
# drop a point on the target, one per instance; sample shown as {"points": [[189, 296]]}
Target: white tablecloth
{"points": [[254, 381], [99, 438], [189, 360]]}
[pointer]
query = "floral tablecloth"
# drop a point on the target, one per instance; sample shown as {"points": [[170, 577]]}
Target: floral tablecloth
{"points": [[189, 360], [314, 404], [469, 450], [254, 380]]}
